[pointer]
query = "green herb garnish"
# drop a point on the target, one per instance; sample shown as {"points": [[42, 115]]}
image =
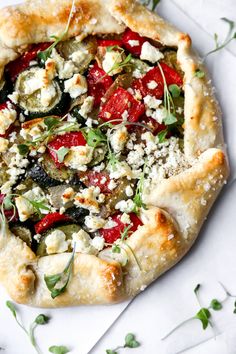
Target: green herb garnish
{"points": [[39, 320], [162, 136], [61, 153], [57, 283], [94, 137], [174, 90], [199, 73], [44, 55], [138, 201], [152, 3], [130, 342], [231, 35], [51, 122], [126, 62], [216, 305], [58, 349], [23, 149]]}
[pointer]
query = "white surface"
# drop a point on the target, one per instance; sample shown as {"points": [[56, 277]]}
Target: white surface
{"points": [[169, 300]]}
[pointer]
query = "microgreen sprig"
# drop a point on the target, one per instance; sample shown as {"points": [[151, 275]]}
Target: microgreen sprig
{"points": [[57, 283], [118, 65], [152, 3], [231, 35], [44, 55], [138, 199], [205, 313], [130, 342], [61, 349], [39, 320]]}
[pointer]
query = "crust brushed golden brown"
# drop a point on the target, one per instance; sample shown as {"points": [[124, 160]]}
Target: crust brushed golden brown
{"points": [[177, 207]]}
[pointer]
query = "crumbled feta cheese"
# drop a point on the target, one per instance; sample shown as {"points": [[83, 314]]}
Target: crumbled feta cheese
{"points": [[65, 69], [150, 53], [25, 208], [14, 97], [125, 115], [152, 102], [79, 56], [112, 184], [94, 223], [56, 242], [118, 139], [68, 195], [3, 144], [76, 86], [120, 169], [99, 168], [78, 157], [125, 218], [7, 117], [98, 243], [159, 114], [129, 191], [126, 206], [110, 60], [87, 106], [110, 224], [88, 199], [37, 237], [135, 158], [82, 242], [133, 43], [152, 85]]}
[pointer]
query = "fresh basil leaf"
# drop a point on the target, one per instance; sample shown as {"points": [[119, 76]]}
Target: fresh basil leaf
{"points": [[199, 73], [203, 315], [162, 136], [61, 153], [170, 119], [130, 341], [42, 319], [12, 308], [51, 122], [55, 349], [23, 149], [175, 90], [216, 305]]}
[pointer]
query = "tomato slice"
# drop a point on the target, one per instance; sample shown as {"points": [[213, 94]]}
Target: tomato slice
{"points": [[133, 42], [15, 67], [111, 235], [49, 221], [171, 77], [109, 42], [153, 124], [67, 140], [120, 103], [98, 83], [96, 179]]}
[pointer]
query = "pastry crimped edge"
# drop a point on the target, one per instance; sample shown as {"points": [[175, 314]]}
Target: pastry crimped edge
{"points": [[177, 206]]}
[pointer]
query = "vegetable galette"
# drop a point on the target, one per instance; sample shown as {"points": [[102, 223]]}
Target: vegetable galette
{"points": [[111, 150]]}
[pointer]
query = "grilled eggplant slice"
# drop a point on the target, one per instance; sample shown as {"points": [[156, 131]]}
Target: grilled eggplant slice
{"points": [[37, 101], [5, 89], [82, 53], [68, 231], [39, 175], [77, 214]]}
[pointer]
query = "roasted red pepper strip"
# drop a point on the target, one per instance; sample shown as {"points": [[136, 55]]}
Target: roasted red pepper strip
{"points": [[98, 83], [67, 140], [171, 77], [96, 179], [15, 67], [119, 104], [109, 42], [134, 48], [49, 221], [111, 235]]}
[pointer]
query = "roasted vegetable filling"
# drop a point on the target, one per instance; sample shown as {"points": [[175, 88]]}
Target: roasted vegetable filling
{"points": [[86, 127]]}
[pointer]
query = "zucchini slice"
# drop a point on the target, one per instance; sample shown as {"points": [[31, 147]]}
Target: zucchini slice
{"points": [[61, 174], [81, 53], [5, 89], [68, 231], [37, 100]]}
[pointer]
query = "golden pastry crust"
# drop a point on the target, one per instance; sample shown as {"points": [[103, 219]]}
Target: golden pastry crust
{"points": [[177, 207]]}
